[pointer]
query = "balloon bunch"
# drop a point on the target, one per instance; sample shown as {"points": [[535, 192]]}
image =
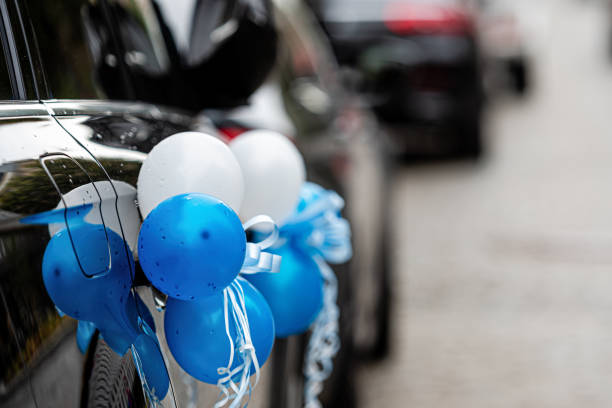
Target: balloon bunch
{"points": [[303, 294], [192, 247], [89, 277]]}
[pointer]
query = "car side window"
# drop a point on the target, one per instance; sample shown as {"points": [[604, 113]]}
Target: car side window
{"points": [[77, 49], [145, 55], [8, 84], [6, 92]]}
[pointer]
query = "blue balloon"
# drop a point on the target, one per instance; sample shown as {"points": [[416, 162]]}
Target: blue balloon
{"points": [[152, 365], [295, 294], [196, 336], [119, 339], [191, 246], [136, 308], [101, 297], [85, 331]]}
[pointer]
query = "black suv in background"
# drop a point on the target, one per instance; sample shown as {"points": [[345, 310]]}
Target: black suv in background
{"points": [[418, 63], [85, 88]]}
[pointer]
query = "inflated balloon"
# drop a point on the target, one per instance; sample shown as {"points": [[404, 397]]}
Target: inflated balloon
{"points": [[95, 285], [136, 313], [150, 365], [189, 162], [136, 308], [191, 246], [108, 199], [118, 338], [85, 331], [197, 337], [295, 294], [273, 171]]}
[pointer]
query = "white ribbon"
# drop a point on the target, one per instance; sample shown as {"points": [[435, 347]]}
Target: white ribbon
{"points": [[255, 259], [327, 236], [324, 341], [234, 389], [236, 383]]}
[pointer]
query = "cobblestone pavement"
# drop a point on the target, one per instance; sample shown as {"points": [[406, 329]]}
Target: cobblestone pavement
{"points": [[503, 269]]}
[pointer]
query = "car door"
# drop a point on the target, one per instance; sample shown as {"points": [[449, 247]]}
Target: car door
{"points": [[40, 163], [59, 154]]}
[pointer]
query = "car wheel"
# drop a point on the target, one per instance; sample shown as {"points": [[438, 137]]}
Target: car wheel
{"points": [[519, 76], [110, 380], [471, 139], [381, 345]]}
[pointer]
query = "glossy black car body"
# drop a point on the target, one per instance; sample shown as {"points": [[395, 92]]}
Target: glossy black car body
{"points": [[72, 78], [418, 64]]}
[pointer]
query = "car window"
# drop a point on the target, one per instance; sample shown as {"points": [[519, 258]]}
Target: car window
{"points": [[144, 53], [77, 49], [7, 83]]}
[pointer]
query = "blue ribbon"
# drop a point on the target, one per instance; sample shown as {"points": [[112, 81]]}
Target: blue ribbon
{"points": [[317, 225]]}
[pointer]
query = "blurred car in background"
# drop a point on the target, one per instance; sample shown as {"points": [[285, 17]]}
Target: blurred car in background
{"points": [[73, 81], [418, 63]]}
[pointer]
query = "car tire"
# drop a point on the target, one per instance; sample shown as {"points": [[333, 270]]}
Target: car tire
{"points": [[519, 76], [471, 139], [110, 380], [382, 344]]}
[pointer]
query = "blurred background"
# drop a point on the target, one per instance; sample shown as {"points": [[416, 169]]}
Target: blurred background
{"points": [[501, 266]]}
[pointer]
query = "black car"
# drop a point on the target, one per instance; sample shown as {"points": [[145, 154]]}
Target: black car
{"points": [[304, 99], [88, 88], [418, 62]]}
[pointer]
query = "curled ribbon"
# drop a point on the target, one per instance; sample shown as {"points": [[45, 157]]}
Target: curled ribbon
{"points": [[318, 226], [324, 341], [256, 260], [235, 389], [235, 382]]}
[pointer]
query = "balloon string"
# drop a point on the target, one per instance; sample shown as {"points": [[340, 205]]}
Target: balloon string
{"points": [[235, 383], [324, 341], [191, 390]]}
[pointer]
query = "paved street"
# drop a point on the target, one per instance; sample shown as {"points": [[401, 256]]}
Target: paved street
{"points": [[503, 269]]}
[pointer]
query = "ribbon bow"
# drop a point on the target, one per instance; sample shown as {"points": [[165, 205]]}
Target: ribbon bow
{"points": [[256, 260], [319, 226]]}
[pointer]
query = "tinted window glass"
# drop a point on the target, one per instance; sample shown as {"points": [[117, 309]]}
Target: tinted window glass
{"points": [[5, 83], [144, 53], [77, 49], [6, 88]]}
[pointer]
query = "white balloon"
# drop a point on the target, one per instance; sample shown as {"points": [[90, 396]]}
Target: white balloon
{"points": [[273, 171], [103, 199], [189, 162]]}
